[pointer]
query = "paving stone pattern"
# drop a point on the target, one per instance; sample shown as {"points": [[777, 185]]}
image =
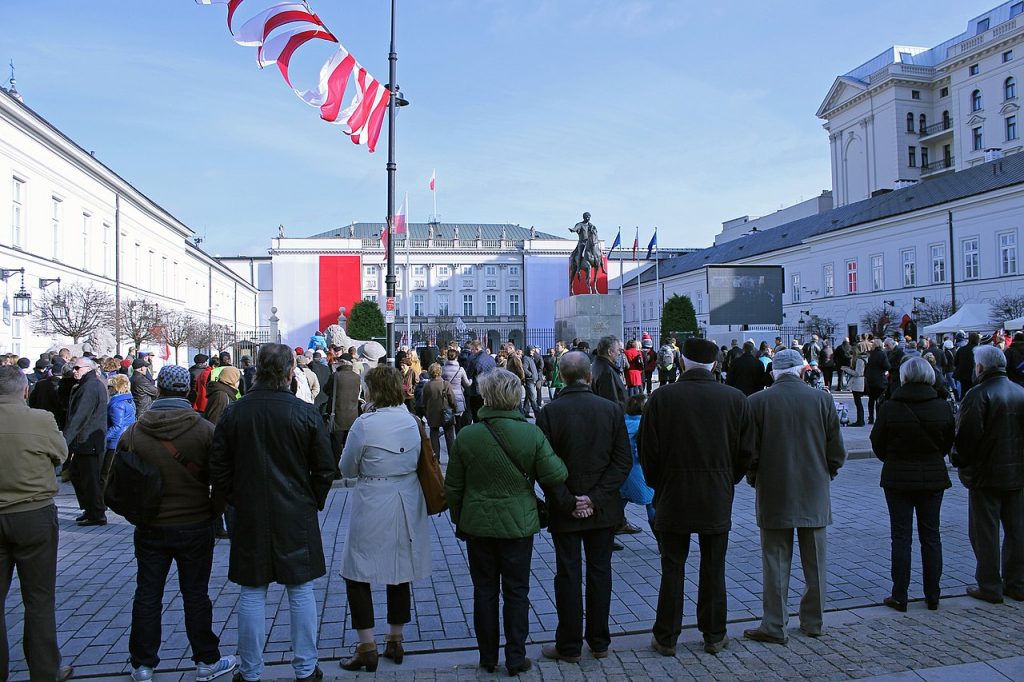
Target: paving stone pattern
{"points": [[96, 574]]}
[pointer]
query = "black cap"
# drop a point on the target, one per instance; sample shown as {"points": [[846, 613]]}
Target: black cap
{"points": [[700, 350], [139, 364]]}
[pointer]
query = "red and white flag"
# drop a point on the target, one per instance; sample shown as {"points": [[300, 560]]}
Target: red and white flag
{"points": [[636, 242], [433, 180], [400, 227]]}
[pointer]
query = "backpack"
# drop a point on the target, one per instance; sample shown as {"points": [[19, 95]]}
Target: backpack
{"points": [[134, 486], [666, 357]]}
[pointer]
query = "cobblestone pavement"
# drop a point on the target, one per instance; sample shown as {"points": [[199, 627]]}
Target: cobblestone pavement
{"points": [[96, 574]]}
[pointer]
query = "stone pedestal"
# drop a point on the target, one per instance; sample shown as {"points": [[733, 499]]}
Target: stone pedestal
{"points": [[588, 317]]}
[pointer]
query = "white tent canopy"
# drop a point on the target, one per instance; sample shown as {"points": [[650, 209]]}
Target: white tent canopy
{"points": [[1014, 324], [971, 317]]}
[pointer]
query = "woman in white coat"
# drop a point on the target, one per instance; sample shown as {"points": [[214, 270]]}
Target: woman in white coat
{"points": [[855, 375], [388, 533]]}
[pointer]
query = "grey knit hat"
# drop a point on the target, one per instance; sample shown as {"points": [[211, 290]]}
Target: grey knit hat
{"points": [[174, 379], [786, 359]]}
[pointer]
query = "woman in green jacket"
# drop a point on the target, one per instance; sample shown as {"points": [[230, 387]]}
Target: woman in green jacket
{"points": [[490, 488]]}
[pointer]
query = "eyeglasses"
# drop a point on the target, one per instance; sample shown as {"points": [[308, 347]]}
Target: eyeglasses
{"points": [[78, 367]]}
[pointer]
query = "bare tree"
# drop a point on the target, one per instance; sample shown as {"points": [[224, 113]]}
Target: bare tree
{"points": [[879, 321], [824, 327], [223, 337], [201, 336], [1007, 308], [931, 312], [140, 321], [75, 311], [177, 329]]}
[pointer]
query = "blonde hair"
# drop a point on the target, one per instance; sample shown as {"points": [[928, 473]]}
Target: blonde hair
{"points": [[119, 384], [434, 370]]}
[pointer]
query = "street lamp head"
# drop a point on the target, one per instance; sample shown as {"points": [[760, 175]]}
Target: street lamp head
{"points": [[22, 303], [891, 304]]}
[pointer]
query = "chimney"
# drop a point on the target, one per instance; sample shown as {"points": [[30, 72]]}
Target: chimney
{"points": [[993, 153]]}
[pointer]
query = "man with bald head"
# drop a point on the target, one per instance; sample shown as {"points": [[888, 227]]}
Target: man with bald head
{"points": [[588, 433]]}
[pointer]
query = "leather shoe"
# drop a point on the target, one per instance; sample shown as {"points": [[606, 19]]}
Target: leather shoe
{"points": [[628, 528], [900, 606], [759, 635], [552, 652], [599, 654], [1014, 594], [66, 673], [978, 593], [932, 605], [661, 648], [514, 670], [92, 522], [808, 633], [716, 647], [81, 517], [314, 676], [616, 547], [857, 424]]}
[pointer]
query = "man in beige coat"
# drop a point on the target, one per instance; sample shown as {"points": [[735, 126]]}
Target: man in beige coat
{"points": [[798, 451], [28, 522]]}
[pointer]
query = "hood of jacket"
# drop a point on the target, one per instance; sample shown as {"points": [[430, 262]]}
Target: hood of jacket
{"points": [[168, 424], [215, 387]]}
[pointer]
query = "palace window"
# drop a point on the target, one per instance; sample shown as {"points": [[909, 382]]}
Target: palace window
{"points": [[1010, 88], [828, 277], [969, 247], [1008, 253], [978, 138], [851, 276], [55, 217], [467, 305], [1011, 128], [939, 264], [417, 304], [442, 305], [492, 304], [513, 304], [976, 100], [909, 260], [877, 273], [17, 211]]}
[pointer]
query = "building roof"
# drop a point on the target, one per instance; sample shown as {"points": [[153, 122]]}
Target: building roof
{"points": [[980, 179], [441, 231]]}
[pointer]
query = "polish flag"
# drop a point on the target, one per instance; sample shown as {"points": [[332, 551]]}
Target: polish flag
{"points": [[433, 178], [400, 216]]}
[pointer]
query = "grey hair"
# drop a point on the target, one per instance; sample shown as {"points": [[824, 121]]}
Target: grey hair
{"points": [[88, 361], [795, 371], [12, 380], [574, 368], [689, 364], [606, 344], [989, 357], [500, 389], [916, 371]]}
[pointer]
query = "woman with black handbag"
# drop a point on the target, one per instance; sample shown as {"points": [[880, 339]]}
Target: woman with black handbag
{"points": [[490, 481]]}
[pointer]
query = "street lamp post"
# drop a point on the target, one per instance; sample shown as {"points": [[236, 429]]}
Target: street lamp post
{"points": [[395, 99]]}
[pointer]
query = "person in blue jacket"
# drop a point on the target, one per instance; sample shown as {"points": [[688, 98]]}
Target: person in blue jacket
{"points": [[120, 415], [318, 342]]}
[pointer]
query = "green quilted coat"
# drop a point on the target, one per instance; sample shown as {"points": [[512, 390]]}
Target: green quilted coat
{"points": [[487, 494]]}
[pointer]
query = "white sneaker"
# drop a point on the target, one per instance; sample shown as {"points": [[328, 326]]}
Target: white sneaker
{"points": [[142, 674], [209, 671]]}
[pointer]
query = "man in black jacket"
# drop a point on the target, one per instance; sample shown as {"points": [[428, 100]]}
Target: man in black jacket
{"points": [[695, 446], [589, 434], [963, 369], [989, 453], [747, 373], [323, 374], [1015, 359], [607, 380], [86, 435]]}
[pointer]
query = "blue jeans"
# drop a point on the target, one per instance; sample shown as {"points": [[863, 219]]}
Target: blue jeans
{"points": [[191, 548], [252, 629]]}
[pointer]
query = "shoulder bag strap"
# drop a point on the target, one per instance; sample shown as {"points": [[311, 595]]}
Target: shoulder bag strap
{"points": [[191, 467], [501, 444]]}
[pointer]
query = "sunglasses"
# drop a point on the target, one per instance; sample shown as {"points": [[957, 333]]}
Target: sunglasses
{"points": [[78, 367]]}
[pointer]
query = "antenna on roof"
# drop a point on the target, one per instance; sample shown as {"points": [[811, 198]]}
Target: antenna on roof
{"points": [[13, 90]]}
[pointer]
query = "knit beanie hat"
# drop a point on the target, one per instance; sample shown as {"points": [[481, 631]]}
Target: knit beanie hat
{"points": [[174, 379], [230, 376]]}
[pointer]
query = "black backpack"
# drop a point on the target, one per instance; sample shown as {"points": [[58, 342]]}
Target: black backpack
{"points": [[134, 486]]}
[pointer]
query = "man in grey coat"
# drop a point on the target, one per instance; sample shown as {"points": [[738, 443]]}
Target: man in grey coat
{"points": [[798, 450]]}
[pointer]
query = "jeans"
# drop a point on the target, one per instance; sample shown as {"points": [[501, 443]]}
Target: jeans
{"points": [[987, 509], [506, 563], [435, 439], [85, 477], [252, 629], [902, 507], [634, 390], [531, 404], [712, 605], [360, 604], [28, 542], [597, 543]]}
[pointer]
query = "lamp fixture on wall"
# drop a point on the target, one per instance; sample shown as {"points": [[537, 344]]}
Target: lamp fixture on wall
{"points": [[22, 298], [802, 313]]}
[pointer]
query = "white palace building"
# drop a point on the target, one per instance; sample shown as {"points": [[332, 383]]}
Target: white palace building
{"points": [[928, 191]]}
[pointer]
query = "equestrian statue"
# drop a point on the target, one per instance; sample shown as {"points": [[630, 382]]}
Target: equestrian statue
{"points": [[586, 257]]}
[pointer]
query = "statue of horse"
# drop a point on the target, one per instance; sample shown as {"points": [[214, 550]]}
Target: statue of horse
{"points": [[586, 258]]}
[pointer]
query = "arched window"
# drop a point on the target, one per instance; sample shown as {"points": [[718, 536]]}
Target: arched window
{"points": [[923, 124], [910, 122], [976, 100], [945, 120], [1010, 88]]}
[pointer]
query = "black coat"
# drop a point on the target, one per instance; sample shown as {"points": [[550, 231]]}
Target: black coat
{"points": [[875, 369], [144, 391], [323, 373], [963, 370], [606, 381], [86, 429], [589, 434], [747, 373], [913, 433], [1015, 363], [272, 459], [990, 434], [695, 444]]}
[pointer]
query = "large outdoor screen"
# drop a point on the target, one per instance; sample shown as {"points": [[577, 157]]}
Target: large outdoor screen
{"points": [[745, 294]]}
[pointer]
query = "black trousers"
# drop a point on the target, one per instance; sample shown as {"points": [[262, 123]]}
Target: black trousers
{"points": [[360, 604], [712, 606], [501, 563], [475, 403], [903, 505], [874, 394], [28, 542], [191, 549], [858, 401], [987, 510], [85, 477], [597, 544]]}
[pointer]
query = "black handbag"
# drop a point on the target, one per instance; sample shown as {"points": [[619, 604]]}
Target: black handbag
{"points": [[542, 505]]}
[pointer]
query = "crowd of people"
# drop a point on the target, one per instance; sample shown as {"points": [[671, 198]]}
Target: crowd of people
{"points": [[261, 445]]}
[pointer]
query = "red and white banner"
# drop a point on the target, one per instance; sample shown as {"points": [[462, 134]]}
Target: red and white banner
{"points": [[433, 177], [278, 31]]}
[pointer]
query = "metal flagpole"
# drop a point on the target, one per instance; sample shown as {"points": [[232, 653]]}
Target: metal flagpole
{"points": [[408, 276], [657, 276], [622, 302], [639, 273], [389, 279], [433, 192]]}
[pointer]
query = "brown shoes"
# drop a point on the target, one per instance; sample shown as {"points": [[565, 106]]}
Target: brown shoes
{"points": [[984, 595], [393, 648], [759, 635], [661, 648], [365, 657], [552, 652]]}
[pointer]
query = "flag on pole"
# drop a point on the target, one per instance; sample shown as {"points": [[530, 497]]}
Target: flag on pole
{"points": [[400, 216], [636, 242], [618, 241], [653, 244], [433, 180]]}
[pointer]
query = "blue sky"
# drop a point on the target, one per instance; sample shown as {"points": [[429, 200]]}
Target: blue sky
{"points": [[643, 112]]}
